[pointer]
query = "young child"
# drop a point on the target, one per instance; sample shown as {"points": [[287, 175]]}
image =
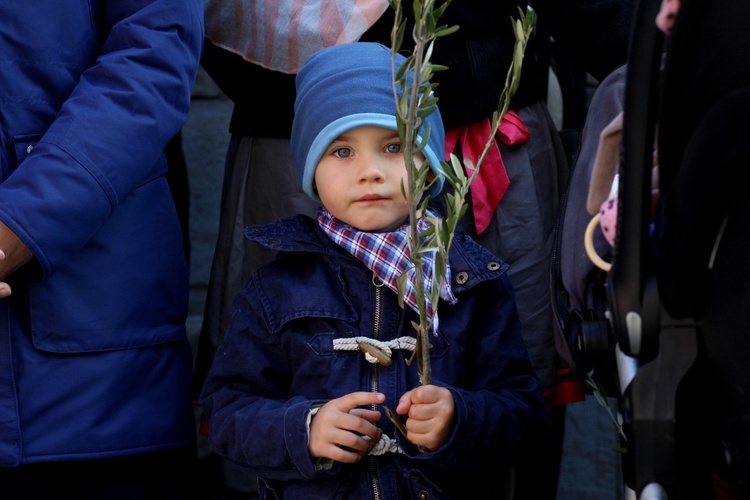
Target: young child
{"points": [[290, 394]]}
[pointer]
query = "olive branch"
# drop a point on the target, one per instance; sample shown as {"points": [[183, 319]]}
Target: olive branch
{"points": [[413, 105]]}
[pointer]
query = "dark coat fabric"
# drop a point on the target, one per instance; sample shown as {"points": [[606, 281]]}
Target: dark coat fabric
{"points": [[277, 361]]}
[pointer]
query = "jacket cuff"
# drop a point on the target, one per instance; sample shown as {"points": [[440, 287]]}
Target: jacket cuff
{"points": [[297, 435]]}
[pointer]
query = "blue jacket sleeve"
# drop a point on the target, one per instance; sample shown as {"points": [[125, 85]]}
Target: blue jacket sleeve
{"points": [[131, 96]]}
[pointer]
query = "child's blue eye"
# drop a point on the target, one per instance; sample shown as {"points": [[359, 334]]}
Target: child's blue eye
{"points": [[393, 148], [342, 153]]}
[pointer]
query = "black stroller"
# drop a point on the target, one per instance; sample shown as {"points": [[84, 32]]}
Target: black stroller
{"points": [[678, 292]]}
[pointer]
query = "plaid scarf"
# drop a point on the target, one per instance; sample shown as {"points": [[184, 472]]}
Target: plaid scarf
{"points": [[387, 255]]}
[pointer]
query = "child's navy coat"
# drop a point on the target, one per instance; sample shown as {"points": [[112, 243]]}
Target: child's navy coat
{"points": [[277, 360]]}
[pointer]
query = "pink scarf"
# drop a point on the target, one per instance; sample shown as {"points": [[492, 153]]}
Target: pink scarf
{"points": [[490, 185]]}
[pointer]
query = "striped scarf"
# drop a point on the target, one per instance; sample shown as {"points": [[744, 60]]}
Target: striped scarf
{"points": [[281, 34], [387, 255]]}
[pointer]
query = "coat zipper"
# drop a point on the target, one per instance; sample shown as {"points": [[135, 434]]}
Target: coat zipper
{"points": [[374, 380]]}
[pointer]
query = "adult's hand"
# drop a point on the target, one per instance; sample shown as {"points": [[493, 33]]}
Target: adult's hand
{"points": [[13, 254]]}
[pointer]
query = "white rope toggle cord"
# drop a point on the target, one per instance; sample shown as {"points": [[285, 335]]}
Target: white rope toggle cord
{"points": [[384, 445], [375, 350]]}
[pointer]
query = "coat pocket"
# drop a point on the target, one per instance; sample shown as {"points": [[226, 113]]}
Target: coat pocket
{"points": [[127, 287], [79, 311], [420, 486]]}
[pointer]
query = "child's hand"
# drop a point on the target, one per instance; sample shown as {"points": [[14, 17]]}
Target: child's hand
{"points": [[337, 430], [430, 409]]}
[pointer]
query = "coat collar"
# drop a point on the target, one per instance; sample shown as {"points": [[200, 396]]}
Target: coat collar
{"points": [[470, 262]]}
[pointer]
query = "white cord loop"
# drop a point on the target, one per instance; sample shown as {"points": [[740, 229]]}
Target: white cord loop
{"points": [[384, 445], [375, 351]]}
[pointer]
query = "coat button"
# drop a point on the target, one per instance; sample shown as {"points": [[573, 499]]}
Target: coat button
{"points": [[423, 495], [462, 277], [493, 266]]}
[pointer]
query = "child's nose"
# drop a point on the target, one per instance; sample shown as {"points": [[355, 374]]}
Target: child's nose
{"points": [[371, 168]]}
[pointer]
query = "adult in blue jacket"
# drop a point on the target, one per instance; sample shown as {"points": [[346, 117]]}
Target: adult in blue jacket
{"points": [[94, 359]]}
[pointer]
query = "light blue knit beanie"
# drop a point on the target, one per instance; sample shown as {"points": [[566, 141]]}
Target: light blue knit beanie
{"points": [[343, 87]]}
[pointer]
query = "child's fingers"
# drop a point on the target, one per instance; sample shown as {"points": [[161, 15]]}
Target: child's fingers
{"points": [[415, 426], [344, 447], [428, 440], [426, 394], [404, 403], [343, 437], [353, 453], [371, 416], [352, 442], [357, 425], [352, 400], [343, 431]]}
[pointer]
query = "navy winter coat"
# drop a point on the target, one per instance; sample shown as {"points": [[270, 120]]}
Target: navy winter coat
{"points": [[94, 360], [277, 360]]}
